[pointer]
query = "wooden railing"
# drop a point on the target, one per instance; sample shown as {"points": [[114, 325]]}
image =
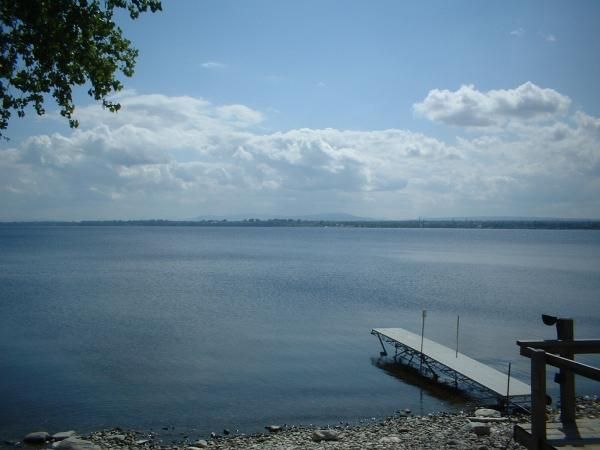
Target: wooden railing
{"points": [[558, 353]]}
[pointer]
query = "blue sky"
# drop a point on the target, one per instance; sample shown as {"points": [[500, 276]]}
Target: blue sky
{"points": [[383, 109]]}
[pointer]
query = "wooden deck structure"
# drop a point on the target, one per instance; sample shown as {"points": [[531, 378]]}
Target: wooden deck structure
{"points": [[438, 360], [582, 434], [569, 432]]}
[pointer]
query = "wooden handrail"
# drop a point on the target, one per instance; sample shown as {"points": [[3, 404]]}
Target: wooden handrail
{"points": [[590, 372], [544, 353], [578, 346]]}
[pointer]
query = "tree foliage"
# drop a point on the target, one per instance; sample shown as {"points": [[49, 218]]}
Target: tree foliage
{"points": [[49, 46]]}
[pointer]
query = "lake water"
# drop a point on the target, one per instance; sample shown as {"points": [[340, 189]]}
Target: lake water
{"points": [[209, 328]]}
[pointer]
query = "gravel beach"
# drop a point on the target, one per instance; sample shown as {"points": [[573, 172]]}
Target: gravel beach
{"points": [[474, 429]]}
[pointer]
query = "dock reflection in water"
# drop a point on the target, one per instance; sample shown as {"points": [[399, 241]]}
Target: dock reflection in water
{"points": [[427, 386]]}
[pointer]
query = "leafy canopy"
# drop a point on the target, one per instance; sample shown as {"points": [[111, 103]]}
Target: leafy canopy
{"points": [[48, 46]]}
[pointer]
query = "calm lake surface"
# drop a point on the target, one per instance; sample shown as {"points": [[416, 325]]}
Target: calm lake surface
{"points": [[211, 328]]}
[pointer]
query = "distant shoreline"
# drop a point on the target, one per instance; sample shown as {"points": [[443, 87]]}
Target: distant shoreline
{"points": [[541, 224]]}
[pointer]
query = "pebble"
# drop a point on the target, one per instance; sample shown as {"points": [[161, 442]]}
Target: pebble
{"points": [[74, 443], [487, 412], [479, 429], [117, 437], [390, 440], [37, 437], [63, 435], [325, 435]]}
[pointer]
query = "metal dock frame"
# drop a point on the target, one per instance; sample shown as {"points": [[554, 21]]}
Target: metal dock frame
{"points": [[439, 372]]}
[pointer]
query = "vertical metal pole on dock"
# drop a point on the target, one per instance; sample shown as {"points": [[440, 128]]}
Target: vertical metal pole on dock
{"points": [[508, 388], [457, 325], [422, 334]]}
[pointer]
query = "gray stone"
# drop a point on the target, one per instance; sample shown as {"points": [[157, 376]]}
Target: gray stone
{"points": [[63, 435], [487, 412], [273, 428], [74, 443], [37, 437], [117, 437], [201, 443], [390, 440], [325, 435], [479, 429]]}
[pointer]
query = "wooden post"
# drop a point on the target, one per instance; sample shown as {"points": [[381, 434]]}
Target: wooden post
{"points": [[565, 332], [538, 398]]}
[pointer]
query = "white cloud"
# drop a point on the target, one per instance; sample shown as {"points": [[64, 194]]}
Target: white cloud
{"points": [[468, 107], [517, 32], [239, 114], [548, 37], [213, 65], [178, 157]]}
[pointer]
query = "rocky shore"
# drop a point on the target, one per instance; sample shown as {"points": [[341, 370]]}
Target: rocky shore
{"points": [[477, 429]]}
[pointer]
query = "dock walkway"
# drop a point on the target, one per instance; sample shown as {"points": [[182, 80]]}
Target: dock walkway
{"points": [[439, 358]]}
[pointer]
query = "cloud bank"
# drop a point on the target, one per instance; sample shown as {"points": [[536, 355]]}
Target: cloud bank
{"points": [[181, 157]]}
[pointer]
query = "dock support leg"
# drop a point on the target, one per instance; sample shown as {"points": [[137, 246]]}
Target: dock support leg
{"points": [[383, 353]]}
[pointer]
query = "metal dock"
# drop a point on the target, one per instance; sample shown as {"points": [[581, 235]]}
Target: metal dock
{"points": [[441, 361]]}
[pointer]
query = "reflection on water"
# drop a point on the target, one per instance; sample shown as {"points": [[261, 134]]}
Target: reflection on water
{"points": [[439, 390]]}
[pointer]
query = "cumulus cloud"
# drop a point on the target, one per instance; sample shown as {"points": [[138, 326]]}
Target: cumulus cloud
{"points": [[179, 157], [469, 107]]}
